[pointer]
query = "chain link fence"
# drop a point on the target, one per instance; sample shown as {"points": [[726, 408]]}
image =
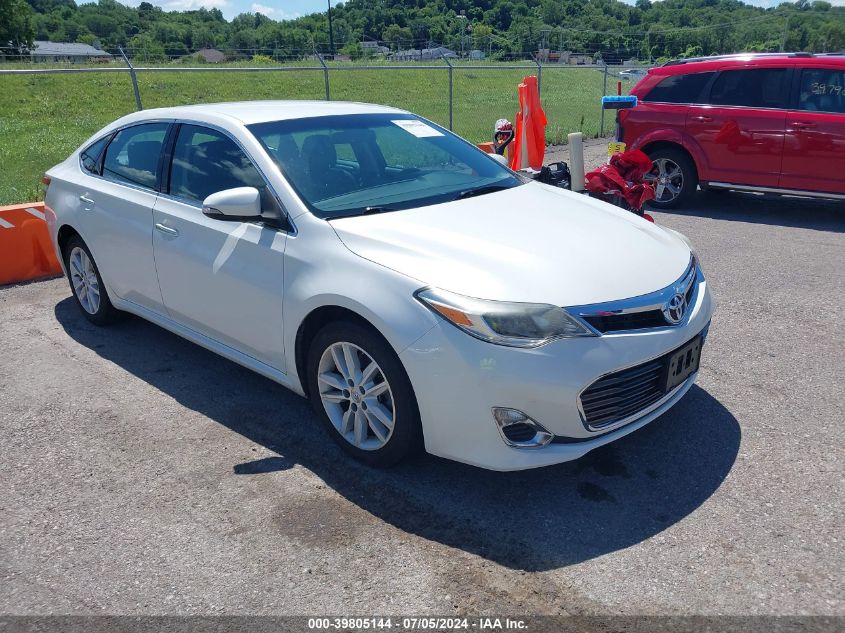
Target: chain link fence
{"points": [[47, 111], [464, 96]]}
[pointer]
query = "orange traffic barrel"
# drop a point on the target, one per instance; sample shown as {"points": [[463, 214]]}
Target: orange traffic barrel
{"points": [[26, 251], [529, 145]]}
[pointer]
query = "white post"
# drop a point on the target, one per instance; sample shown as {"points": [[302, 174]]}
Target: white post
{"points": [[576, 160]]}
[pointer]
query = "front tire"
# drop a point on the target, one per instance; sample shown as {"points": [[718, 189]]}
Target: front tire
{"points": [[674, 177], [363, 396], [87, 285]]}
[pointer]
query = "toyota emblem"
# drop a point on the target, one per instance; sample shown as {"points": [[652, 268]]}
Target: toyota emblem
{"points": [[674, 310]]}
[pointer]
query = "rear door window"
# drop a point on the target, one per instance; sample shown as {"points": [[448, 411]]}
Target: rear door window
{"points": [[133, 154], [680, 89], [822, 90], [750, 88]]}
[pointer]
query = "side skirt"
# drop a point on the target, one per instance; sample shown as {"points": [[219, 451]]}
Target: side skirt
{"points": [[782, 192], [208, 343]]}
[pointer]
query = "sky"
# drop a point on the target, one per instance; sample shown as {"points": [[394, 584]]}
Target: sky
{"points": [[278, 10], [290, 9]]}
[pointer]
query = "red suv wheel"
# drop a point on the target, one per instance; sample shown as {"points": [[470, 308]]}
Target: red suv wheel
{"points": [[674, 177]]}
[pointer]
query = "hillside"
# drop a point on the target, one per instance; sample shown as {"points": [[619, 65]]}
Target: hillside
{"points": [[500, 28]]}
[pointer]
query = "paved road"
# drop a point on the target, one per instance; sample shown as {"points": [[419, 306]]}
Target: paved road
{"points": [[141, 474]]}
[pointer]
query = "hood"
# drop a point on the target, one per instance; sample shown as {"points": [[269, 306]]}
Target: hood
{"points": [[533, 243]]}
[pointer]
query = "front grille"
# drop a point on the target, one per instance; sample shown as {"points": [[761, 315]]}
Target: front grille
{"points": [[639, 313], [621, 394], [630, 321]]}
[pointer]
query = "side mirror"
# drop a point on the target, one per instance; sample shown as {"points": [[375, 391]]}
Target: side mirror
{"points": [[500, 159], [240, 203]]}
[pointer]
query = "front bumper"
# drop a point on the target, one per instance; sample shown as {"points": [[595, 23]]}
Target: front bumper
{"points": [[458, 380]]}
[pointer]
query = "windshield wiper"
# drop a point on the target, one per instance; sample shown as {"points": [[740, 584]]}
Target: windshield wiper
{"points": [[374, 210], [365, 211], [480, 191]]}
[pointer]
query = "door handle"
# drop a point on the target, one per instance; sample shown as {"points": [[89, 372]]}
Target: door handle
{"points": [[88, 202], [803, 125], [166, 229], [702, 119]]}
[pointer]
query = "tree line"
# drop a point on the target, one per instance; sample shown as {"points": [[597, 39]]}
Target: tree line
{"points": [[503, 29]]}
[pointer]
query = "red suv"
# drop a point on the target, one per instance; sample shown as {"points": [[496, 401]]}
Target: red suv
{"points": [[773, 123]]}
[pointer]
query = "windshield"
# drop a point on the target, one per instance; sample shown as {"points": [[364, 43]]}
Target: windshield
{"points": [[370, 163]]}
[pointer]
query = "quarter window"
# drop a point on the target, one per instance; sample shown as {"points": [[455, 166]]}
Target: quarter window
{"points": [[822, 90], [90, 156], [680, 89], [751, 88], [133, 154], [206, 161]]}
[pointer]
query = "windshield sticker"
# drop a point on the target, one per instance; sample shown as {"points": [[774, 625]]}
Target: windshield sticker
{"points": [[417, 128]]}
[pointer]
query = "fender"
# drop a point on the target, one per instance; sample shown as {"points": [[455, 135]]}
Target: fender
{"points": [[347, 284], [682, 139]]}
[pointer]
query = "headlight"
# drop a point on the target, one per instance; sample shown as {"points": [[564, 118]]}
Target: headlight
{"points": [[503, 323]]}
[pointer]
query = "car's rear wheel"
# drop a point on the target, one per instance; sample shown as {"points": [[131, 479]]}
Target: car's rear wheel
{"points": [[362, 394], [674, 177], [87, 284]]}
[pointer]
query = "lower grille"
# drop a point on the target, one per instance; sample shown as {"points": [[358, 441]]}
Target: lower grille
{"points": [[621, 394]]}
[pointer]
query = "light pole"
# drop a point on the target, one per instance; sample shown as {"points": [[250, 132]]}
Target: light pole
{"points": [[331, 32], [462, 26]]}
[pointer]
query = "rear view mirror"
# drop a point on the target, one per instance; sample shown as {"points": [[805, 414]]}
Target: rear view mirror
{"points": [[500, 159], [240, 203]]}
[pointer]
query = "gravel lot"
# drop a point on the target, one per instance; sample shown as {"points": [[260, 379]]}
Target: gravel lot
{"points": [[143, 475]]}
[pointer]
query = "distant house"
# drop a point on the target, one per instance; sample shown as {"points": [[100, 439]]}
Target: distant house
{"points": [[476, 54], [209, 55], [67, 52], [424, 54], [564, 57], [577, 59], [374, 48]]}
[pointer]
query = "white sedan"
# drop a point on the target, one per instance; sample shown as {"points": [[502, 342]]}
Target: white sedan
{"points": [[633, 74], [417, 291]]}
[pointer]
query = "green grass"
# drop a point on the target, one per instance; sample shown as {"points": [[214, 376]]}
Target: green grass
{"points": [[43, 118]]}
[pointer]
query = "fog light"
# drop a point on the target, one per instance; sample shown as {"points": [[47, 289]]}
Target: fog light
{"points": [[520, 431]]}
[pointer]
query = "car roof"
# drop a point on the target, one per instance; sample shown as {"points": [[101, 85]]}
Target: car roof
{"points": [[700, 64], [249, 112]]}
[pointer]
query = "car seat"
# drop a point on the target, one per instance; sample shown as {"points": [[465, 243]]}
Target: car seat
{"points": [[323, 178]]}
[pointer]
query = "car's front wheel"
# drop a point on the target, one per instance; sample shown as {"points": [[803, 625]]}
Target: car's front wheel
{"points": [[361, 392], [87, 284], [674, 178]]}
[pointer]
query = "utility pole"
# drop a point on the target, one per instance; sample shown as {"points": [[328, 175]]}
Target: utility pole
{"points": [[331, 32], [785, 33]]}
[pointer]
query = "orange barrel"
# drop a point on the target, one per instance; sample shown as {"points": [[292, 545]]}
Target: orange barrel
{"points": [[535, 123]]}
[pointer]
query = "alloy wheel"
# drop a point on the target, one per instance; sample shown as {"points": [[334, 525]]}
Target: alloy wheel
{"points": [[84, 280], [667, 178], [356, 396]]}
